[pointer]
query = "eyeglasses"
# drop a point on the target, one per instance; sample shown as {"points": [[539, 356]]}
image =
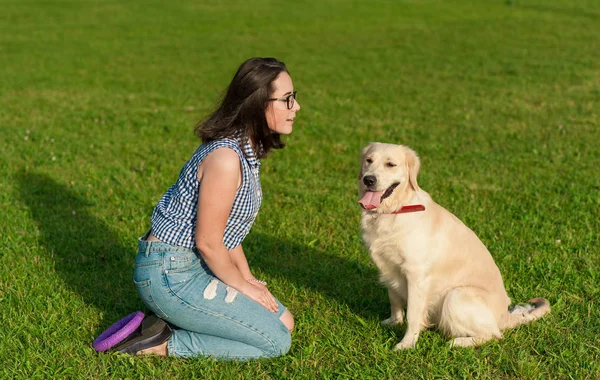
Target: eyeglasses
{"points": [[289, 100]]}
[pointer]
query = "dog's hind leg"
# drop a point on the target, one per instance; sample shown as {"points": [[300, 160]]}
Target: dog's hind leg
{"points": [[467, 318]]}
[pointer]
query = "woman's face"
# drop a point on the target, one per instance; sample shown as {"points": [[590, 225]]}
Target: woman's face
{"points": [[279, 117]]}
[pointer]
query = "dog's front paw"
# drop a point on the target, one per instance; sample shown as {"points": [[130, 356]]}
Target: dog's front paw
{"points": [[409, 341], [404, 346], [391, 321]]}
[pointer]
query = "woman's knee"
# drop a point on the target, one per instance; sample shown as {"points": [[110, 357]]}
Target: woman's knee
{"points": [[280, 342], [282, 336], [288, 320]]}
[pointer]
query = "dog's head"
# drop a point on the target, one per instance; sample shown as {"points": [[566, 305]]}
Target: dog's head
{"points": [[388, 176]]}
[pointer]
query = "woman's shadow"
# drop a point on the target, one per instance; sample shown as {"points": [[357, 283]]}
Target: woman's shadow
{"points": [[87, 254], [95, 264]]}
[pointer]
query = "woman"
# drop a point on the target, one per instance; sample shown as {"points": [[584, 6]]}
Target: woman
{"points": [[191, 270]]}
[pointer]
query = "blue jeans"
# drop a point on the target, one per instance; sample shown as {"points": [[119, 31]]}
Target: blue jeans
{"points": [[208, 318]]}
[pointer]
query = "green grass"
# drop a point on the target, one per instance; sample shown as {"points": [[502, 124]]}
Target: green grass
{"points": [[98, 100]]}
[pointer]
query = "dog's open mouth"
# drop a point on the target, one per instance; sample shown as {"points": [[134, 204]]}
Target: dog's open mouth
{"points": [[372, 199]]}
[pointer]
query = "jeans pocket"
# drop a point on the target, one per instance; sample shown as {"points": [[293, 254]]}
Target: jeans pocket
{"points": [[182, 282], [181, 263], [145, 292]]}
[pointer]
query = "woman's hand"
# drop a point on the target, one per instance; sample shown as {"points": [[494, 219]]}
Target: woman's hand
{"points": [[262, 295], [258, 284]]}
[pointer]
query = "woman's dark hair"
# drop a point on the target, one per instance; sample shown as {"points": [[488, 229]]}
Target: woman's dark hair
{"points": [[242, 111]]}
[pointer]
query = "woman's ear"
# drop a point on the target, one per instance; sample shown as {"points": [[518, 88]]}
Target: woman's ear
{"points": [[414, 165]]}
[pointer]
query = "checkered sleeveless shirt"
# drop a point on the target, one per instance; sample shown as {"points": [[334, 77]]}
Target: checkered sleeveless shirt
{"points": [[174, 217]]}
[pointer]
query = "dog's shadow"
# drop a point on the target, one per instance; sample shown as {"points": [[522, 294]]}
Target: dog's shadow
{"points": [[349, 283], [94, 262]]}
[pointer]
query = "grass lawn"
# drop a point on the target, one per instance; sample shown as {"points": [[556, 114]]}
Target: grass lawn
{"points": [[501, 99]]}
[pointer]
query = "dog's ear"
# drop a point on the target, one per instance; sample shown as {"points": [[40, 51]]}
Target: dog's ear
{"points": [[365, 150], [362, 157], [414, 165]]}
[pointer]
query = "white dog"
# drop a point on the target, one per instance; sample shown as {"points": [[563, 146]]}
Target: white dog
{"points": [[433, 265]]}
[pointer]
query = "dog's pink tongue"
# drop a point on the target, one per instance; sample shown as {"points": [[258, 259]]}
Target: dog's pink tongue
{"points": [[371, 200]]}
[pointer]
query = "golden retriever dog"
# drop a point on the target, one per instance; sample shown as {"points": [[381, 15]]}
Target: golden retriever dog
{"points": [[433, 265]]}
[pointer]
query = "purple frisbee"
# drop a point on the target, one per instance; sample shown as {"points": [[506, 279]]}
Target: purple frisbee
{"points": [[117, 332]]}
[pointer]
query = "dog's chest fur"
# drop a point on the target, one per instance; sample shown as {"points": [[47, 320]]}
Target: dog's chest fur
{"points": [[386, 238]]}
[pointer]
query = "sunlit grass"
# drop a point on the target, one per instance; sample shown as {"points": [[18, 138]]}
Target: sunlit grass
{"points": [[98, 100]]}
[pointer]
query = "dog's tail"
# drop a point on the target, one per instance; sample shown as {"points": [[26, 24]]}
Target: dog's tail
{"points": [[521, 314]]}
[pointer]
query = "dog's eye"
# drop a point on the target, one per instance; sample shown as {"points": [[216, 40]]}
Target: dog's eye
{"points": [[369, 160], [390, 164]]}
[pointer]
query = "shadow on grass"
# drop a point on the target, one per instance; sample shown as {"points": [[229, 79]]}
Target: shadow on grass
{"points": [[86, 252], [350, 283], [93, 262]]}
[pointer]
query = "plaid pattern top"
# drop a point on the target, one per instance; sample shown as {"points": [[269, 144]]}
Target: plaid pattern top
{"points": [[174, 217]]}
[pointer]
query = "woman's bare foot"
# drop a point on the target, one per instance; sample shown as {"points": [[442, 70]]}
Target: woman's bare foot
{"points": [[160, 350]]}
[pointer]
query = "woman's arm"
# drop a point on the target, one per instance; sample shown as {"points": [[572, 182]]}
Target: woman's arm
{"points": [[239, 260], [220, 177]]}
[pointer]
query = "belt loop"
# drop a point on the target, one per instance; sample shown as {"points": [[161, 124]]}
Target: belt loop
{"points": [[148, 244]]}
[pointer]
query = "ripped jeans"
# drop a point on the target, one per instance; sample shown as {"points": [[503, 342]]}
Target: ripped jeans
{"points": [[208, 318]]}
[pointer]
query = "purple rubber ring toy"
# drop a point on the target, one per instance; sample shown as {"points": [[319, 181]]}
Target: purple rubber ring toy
{"points": [[117, 332]]}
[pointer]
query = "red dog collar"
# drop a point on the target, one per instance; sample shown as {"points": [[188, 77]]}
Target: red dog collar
{"points": [[410, 208]]}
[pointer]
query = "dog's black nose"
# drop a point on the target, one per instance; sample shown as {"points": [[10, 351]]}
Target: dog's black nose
{"points": [[369, 180]]}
